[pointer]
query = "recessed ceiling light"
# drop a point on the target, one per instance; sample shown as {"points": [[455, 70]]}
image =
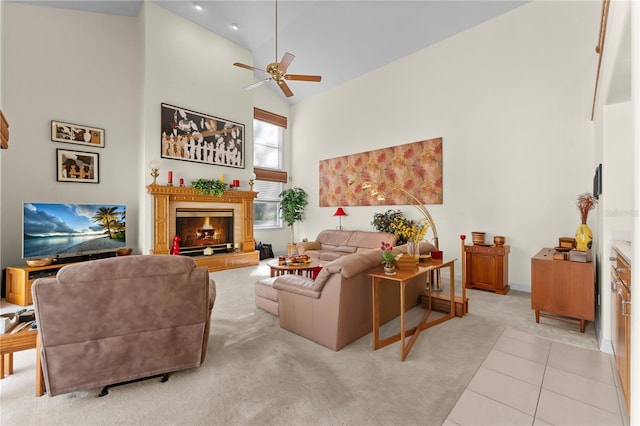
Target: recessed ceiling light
{"points": [[235, 27], [197, 6]]}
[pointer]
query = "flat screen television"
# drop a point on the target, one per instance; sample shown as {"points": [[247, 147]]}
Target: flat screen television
{"points": [[59, 230]]}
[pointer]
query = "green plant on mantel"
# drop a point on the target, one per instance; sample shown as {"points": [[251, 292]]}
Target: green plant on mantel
{"points": [[209, 186]]}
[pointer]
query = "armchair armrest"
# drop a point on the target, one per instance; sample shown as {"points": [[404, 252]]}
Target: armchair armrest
{"points": [[296, 284], [309, 245]]}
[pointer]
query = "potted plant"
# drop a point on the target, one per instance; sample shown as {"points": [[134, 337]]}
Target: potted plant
{"points": [[292, 204], [388, 256], [209, 186], [383, 222]]}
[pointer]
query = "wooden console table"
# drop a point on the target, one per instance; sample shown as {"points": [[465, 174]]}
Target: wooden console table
{"points": [[402, 278], [561, 289]]}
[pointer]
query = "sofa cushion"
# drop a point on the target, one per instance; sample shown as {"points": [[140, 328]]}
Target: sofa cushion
{"points": [[333, 237], [264, 288], [330, 255], [308, 245], [346, 249], [370, 239]]}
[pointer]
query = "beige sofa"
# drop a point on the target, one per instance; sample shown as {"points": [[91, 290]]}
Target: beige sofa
{"points": [[335, 309], [114, 320], [331, 244]]}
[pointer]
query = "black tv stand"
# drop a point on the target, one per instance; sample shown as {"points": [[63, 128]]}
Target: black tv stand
{"points": [[85, 257]]}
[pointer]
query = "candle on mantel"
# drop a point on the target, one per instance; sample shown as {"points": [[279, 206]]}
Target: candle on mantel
{"points": [[181, 182], [236, 183], [222, 178], [170, 177]]}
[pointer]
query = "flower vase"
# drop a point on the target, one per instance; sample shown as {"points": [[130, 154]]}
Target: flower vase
{"points": [[583, 238], [413, 248], [389, 268]]}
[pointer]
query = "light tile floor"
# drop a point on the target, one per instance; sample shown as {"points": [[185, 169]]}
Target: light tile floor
{"points": [[528, 380]]}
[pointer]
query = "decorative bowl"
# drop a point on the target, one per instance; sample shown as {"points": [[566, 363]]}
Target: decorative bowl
{"points": [[498, 240], [477, 237], [45, 261], [123, 252]]}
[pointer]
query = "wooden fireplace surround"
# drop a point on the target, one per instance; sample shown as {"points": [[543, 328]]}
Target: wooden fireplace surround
{"points": [[167, 198]]}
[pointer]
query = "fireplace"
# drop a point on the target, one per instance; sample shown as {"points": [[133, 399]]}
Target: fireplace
{"points": [[230, 239], [204, 229]]}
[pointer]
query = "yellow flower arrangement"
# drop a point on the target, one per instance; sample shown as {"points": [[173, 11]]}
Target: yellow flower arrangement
{"points": [[411, 230]]}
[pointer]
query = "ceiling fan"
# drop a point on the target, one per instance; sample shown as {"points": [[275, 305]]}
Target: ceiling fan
{"points": [[277, 71]]}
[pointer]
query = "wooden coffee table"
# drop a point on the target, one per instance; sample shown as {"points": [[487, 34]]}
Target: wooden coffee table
{"points": [[305, 269]]}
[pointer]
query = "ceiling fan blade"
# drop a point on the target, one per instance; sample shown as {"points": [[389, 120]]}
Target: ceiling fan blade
{"points": [[302, 77], [285, 89], [257, 83], [249, 67], [286, 60]]}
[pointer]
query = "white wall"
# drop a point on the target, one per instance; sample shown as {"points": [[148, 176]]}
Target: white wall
{"points": [[618, 147], [187, 66], [511, 99], [615, 206], [76, 67], [111, 72]]}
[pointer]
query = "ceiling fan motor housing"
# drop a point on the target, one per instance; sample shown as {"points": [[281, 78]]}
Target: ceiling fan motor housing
{"points": [[275, 72]]}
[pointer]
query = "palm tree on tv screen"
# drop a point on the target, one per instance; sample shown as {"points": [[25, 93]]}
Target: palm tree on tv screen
{"points": [[107, 217]]}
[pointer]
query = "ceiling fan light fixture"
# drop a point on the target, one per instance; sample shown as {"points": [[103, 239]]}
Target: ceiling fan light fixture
{"points": [[197, 6], [234, 26], [277, 71]]}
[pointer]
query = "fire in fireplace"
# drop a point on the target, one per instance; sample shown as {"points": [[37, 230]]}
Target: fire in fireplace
{"points": [[204, 228]]}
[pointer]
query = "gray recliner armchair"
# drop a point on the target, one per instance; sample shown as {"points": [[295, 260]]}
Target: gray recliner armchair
{"points": [[115, 320]]}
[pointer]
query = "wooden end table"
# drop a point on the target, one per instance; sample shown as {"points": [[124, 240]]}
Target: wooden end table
{"points": [[402, 278], [305, 269], [20, 341]]}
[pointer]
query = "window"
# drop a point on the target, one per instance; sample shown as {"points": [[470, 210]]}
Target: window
{"points": [[268, 159]]}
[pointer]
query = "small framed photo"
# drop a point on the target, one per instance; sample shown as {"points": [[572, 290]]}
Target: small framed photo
{"points": [[76, 166], [76, 133]]}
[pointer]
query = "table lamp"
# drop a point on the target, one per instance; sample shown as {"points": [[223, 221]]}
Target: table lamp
{"points": [[340, 212]]}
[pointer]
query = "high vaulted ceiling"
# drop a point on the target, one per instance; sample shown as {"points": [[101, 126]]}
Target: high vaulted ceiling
{"points": [[338, 39]]}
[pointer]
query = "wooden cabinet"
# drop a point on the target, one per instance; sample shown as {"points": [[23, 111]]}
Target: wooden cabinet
{"points": [[621, 284], [561, 289], [20, 279], [487, 268]]}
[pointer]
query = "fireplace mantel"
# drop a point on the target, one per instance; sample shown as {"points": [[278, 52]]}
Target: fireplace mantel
{"points": [[167, 198]]}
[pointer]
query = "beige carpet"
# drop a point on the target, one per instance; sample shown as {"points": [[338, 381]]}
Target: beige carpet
{"points": [[256, 373]]}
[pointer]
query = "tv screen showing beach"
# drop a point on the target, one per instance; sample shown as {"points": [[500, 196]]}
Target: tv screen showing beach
{"points": [[51, 230]]}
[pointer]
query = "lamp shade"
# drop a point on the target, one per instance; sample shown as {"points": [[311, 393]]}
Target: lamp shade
{"points": [[340, 212]]}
